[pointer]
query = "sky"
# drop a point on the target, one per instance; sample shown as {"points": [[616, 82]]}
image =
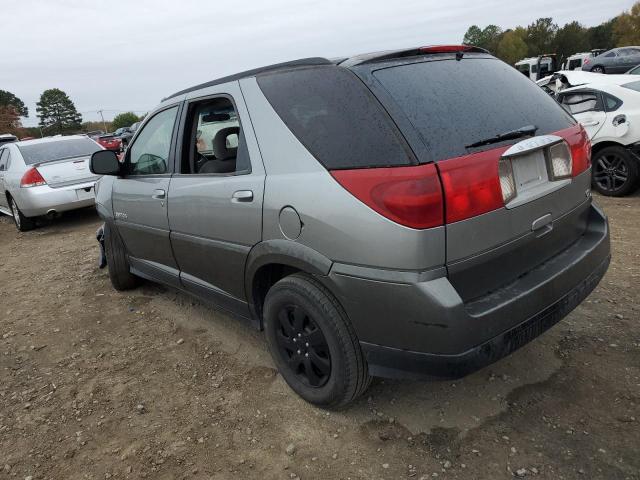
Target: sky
{"points": [[126, 55]]}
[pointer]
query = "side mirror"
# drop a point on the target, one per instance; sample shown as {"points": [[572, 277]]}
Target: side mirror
{"points": [[104, 162]]}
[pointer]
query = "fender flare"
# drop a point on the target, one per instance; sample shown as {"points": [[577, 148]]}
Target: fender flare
{"points": [[283, 252]]}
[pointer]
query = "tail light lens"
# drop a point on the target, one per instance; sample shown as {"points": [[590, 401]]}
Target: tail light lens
{"points": [[560, 164], [472, 184], [507, 180], [410, 196], [32, 178], [581, 154]]}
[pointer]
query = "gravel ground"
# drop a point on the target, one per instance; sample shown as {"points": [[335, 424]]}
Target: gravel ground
{"points": [[96, 384]]}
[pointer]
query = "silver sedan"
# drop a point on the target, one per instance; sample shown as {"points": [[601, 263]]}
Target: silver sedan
{"points": [[46, 177]]}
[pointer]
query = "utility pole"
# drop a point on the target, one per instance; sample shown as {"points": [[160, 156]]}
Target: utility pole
{"points": [[104, 125]]}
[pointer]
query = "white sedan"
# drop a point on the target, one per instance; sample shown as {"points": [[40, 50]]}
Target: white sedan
{"points": [[610, 113], [46, 177]]}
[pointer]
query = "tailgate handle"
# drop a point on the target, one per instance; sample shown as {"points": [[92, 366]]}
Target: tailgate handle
{"points": [[543, 225]]}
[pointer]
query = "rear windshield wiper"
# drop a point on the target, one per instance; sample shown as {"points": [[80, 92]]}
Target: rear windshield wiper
{"points": [[528, 130]]}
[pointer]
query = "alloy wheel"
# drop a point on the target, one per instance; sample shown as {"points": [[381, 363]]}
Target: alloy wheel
{"points": [[303, 346], [611, 172]]}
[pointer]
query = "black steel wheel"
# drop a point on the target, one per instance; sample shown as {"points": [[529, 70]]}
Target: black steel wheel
{"points": [[303, 345], [312, 342], [615, 171]]}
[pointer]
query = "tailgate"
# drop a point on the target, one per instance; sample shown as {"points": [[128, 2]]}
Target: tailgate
{"points": [[66, 172]]}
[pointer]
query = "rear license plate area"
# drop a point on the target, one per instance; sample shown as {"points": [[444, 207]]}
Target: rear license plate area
{"points": [[85, 193]]}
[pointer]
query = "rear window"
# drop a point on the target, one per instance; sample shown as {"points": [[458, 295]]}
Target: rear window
{"points": [[58, 150], [335, 117], [632, 86], [456, 103]]}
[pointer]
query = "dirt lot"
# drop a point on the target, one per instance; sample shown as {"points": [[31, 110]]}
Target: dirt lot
{"points": [[99, 384]]}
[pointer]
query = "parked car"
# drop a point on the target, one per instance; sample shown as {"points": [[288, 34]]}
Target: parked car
{"points": [[46, 176], [125, 134], [418, 212], [575, 61], [536, 68], [94, 134], [616, 60], [610, 113], [7, 138], [110, 142]]}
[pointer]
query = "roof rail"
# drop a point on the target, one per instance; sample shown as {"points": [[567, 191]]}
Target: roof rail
{"points": [[304, 62]]}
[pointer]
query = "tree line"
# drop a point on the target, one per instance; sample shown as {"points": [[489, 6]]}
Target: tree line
{"points": [[544, 36], [57, 114]]}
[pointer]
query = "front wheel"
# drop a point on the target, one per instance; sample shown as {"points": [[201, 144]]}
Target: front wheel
{"points": [[598, 69], [23, 224], [117, 260], [615, 172], [312, 342]]}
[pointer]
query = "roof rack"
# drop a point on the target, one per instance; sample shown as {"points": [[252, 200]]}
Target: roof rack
{"points": [[304, 62]]}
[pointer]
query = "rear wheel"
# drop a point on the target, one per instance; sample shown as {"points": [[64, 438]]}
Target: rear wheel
{"points": [[615, 172], [23, 224], [119, 269], [312, 342], [598, 69]]}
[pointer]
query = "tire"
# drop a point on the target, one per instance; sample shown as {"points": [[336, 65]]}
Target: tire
{"points": [[23, 224], [598, 69], [117, 261], [313, 343], [615, 172]]}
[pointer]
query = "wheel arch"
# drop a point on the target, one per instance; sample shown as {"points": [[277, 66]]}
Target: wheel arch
{"points": [[271, 260]]}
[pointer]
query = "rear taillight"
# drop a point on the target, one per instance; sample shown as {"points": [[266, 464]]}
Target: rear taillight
{"points": [[472, 184], [581, 153], [586, 61], [410, 196], [559, 163], [32, 178]]}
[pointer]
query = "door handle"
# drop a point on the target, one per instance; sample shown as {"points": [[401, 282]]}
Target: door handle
{"points": [[591, 123], [242, 196], [159, 194]]}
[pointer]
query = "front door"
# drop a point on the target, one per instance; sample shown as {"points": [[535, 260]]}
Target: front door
{"points": [[140, 199], [215, 197]]}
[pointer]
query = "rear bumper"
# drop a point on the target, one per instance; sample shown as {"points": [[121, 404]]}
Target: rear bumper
{"points": [[422, 327], [36, 201]]}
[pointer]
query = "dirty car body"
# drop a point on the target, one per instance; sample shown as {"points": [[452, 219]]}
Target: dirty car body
{"points": [[447, 230]]}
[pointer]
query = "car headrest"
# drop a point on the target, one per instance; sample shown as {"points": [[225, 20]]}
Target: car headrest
{"points": [[219, 144]]}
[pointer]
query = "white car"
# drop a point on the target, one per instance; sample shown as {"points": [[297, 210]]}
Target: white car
{"points": [[46, 177], [610, 113]]}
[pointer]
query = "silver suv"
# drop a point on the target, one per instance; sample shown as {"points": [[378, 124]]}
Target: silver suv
{"points": [[409, 213]]}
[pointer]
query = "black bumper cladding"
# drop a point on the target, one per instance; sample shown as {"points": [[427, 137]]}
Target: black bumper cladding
{"points": [[392, 362]]}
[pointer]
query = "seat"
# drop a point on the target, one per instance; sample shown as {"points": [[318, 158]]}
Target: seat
{"points": [[225, 157]]}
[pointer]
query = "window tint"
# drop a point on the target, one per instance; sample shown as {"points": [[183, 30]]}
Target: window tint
{"points": [[523, 69], [610, 54], [611, 103], [576, 63], [633, 86], [216, 143], [149, 154], [456, 103], [59, 149], [335, 117], [580, 102], [4, 154]]}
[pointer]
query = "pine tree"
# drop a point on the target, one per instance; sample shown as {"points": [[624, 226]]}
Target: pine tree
{"points": [[56, 110], [8, 99]]}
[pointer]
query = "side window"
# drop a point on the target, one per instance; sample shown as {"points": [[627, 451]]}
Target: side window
{"points": [[4, 154], [214, 140], [149, 154], [524, 69], [534, 68], [610, 54], [580, 102]]}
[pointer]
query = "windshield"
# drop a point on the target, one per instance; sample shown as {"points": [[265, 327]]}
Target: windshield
{"points": [[456, 103], [43, 152]]}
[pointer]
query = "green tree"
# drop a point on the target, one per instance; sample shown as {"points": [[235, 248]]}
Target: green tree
{"points": [[601, 36], [540, 36], [9, 99], [488, 38], [570, 39], [124, 120], [626, 28], [512, 47], [56, 110]]}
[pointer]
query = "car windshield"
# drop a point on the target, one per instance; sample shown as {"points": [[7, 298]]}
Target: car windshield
{"points": [[43, 152]]}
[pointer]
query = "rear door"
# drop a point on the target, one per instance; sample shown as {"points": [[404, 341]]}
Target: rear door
{"points": [[453, 105], [587, 107], [140, 198], [215, 197]]}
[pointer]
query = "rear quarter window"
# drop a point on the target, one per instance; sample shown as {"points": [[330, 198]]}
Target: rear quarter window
{"points": [[457, 103], [335, 117]]}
